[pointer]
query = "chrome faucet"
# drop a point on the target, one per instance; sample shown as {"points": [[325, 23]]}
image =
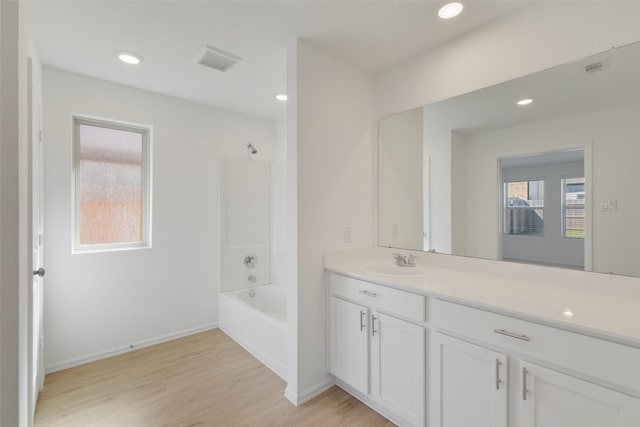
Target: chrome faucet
{"points": [[403, 261]]}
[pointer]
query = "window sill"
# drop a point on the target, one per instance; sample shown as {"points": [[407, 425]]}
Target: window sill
{"points": [[92, 249]]}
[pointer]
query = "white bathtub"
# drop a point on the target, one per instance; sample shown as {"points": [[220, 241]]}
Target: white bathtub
{"points": [[256, 318]]}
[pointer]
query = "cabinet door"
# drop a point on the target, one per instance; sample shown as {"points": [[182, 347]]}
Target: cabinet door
{"points": [[398, 367], [468, 384], [551, 399], [348, 346]]}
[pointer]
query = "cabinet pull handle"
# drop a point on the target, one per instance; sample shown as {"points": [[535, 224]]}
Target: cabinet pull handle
{"points": [[498, 380], [362, 314], [512, 334], [373, 326], [368, 293], [524, 383]]}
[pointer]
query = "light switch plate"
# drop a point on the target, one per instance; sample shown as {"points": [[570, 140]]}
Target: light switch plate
{"points": [[609, 206]]}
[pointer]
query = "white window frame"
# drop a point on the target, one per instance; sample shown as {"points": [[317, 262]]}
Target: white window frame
{"points": [[147, 137], [563, 218]]}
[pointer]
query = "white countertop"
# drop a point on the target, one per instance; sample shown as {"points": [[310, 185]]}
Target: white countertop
{"points": [[602, 313]]}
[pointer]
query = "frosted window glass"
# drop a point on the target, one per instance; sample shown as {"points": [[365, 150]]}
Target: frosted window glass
{"points": [[110, 185]]}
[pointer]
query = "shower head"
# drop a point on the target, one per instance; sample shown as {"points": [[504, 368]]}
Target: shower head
{"points": [[252, 149]]}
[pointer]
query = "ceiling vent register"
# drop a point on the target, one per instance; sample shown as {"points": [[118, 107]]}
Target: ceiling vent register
{"points": [[596, 67], [216, 58]]}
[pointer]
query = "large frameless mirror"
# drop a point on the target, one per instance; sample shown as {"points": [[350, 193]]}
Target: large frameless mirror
{"points": [[540, 169]]}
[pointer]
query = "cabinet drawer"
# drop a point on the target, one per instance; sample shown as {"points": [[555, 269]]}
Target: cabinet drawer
{"points": [[387, 299], [597, 358]]}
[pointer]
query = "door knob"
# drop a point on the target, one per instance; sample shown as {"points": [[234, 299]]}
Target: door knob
{"points": [[39, 272]]}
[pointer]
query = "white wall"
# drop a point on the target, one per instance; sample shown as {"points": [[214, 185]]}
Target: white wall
{"points": [[291, 233], [99, 303], [279, 252], [616, 147], [437, 147], [330, 147], [245, 222], [459, 205], [401, 182]]}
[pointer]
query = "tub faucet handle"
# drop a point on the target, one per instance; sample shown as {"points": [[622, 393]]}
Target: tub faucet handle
{"points": [[250, 260]]}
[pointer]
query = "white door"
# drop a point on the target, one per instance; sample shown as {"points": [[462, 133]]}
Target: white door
{"points": [[468, 384], [551, 399], [36, 337], [398, 367], [349, 343]]}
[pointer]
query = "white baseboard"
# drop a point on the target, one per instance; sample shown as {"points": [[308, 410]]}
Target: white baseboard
{"points": [[372, 404], [77, 361], [290, 396], [308, 394]]}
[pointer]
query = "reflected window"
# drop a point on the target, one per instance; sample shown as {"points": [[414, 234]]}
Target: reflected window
{"points": [[111, 168], [524, 208], [573, 207]]}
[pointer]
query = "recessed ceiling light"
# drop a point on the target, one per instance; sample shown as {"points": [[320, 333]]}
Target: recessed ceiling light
{"points": [[281, 97], [568, 313], [450, 10], [129, 57], [525, 101]]}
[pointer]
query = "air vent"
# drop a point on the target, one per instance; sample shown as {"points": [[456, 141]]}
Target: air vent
{"points": [[216, 58], [596, 67]]}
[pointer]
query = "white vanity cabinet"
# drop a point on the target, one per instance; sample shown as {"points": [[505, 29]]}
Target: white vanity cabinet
{"points": [[552, 399], [576, 381], [398, 366], [348, 357], [468, 384], [377, 346], [466, 365]]}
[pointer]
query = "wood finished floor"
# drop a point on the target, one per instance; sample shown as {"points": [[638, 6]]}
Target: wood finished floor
{"points": [[201, 380]]}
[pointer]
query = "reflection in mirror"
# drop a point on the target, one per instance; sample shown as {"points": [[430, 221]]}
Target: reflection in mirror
{"points": [[543, 213], [401, 181], [552, 182]]}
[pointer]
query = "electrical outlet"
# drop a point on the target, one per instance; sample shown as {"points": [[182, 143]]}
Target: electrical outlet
{"points": [[394, 231], [347, 234]]}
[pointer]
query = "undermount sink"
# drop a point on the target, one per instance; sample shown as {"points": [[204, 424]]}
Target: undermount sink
{"points": [[392, 270]]}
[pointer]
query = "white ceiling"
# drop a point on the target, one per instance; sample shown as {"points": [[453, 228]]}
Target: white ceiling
{"points": [[82, 36]]}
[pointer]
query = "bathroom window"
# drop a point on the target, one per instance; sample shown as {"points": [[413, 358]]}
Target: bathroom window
{"points": [[524, 208], [112, 185], [573, 207]]}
